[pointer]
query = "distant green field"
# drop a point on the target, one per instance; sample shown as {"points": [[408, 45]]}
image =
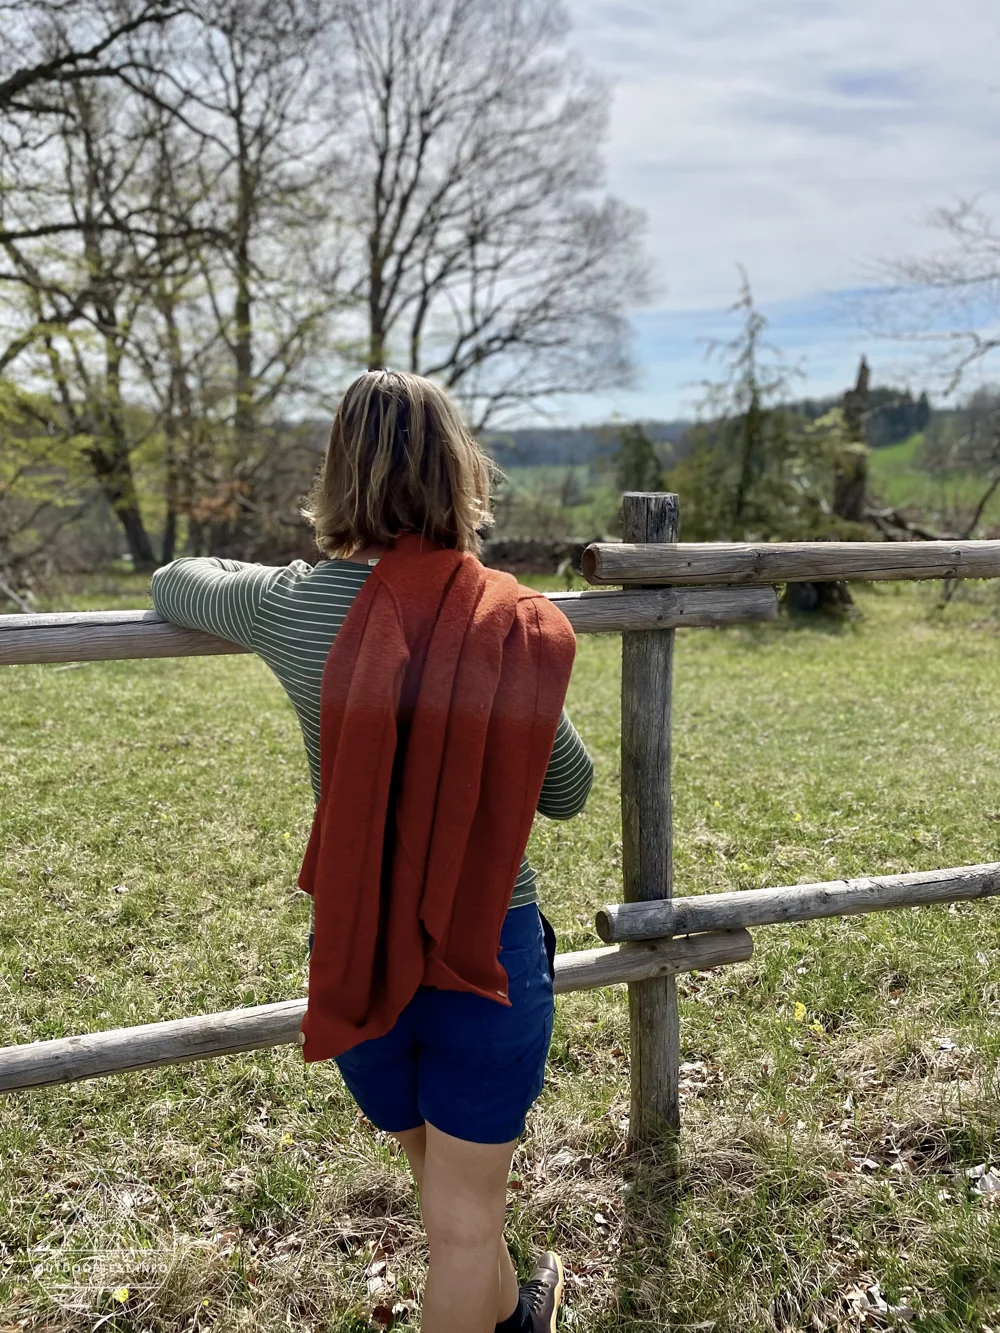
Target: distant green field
{"points": [[557, 500], [943, 499], [577, 500]]}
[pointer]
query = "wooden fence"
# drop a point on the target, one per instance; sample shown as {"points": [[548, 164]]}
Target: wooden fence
{"points": [[652, 936]]}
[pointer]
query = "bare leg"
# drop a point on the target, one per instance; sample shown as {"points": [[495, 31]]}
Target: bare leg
{"points": [[414, 1144], [509, 1289], [463, 1198]]}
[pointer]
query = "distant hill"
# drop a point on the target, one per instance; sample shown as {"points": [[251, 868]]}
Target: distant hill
{"points": [[894, 415], [581, 444]]}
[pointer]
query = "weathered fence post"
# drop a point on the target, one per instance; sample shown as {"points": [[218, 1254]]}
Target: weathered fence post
{"points": [[647, 832]]}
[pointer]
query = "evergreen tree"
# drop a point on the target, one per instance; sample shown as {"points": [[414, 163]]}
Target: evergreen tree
{"points": [[757, 469], [636, 463]]}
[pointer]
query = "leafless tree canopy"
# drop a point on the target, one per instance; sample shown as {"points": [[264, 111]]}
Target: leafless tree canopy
{"points": [[49, 46], [473, 153], [214, 213], [947, 299]]}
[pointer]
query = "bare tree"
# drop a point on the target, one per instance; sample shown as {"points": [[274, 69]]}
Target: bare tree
{"points": [[486, 255], [214, 211], [52, 43], [193, 279], [83, 298], [173, 358], [244, 132], [949, 298], [72, 222], [969, 441]]}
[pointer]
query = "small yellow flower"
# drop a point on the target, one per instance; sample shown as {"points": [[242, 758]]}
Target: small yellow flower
{"points": [[816, 1027], [718, 805], [798, 817], [800, 1012], [120, 1294]]}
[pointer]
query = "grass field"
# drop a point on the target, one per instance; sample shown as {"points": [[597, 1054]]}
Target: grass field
{"points": [[839, 1087], [945, 500]]}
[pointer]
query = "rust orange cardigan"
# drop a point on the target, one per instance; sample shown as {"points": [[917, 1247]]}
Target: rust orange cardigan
{"points": [[439, 705]]}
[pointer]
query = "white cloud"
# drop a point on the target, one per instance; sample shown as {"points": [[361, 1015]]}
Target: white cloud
{"points": [[804, 138]]}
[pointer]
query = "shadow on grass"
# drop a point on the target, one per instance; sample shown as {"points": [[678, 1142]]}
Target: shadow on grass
{"points": [[777, 1230], [821, 623], [651, 1212], [709, 1241]]}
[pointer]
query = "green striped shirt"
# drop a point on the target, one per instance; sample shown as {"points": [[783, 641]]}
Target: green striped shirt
{"points": [[289, 616]]}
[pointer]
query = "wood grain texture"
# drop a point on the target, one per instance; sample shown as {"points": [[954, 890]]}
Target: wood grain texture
{"points": [[100, 636], [108, 642], [795, 902], [67, 1059], [606, 967], [665, 608], [788, 562], [97, 1054], [647, 833]]}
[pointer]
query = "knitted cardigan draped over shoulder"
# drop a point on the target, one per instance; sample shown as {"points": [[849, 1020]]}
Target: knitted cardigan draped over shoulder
{"points": [[440, 700]]}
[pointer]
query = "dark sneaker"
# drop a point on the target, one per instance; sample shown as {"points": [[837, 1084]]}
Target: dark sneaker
{"points": [[542, 1293]]}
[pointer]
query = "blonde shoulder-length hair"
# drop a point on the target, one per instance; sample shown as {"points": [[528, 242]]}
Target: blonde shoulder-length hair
{"points": [[399, 460]]}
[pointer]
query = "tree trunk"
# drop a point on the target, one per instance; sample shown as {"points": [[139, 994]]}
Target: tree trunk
{"points": [[229, 534], [851, 479], [243, 417], [170, 536], [179, 429], [376, 313], [850, 498], [751, 438], [113, 465], [850, 483], [113, 470]]}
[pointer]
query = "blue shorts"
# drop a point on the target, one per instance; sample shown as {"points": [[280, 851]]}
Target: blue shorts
{"points": [[466, 1065]]}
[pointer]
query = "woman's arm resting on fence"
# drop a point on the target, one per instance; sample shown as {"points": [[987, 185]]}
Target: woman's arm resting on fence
{"points": [[569, 776], [221, 597]]}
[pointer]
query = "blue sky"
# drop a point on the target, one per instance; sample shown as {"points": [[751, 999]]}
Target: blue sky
{"points": [[805, 139]]}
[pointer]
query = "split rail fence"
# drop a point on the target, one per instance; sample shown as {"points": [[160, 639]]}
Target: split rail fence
{"points": [[651, 936]]}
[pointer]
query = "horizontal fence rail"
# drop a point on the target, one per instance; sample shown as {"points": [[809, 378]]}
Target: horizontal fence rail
{"points": [[67, 1059], [661, 919], [788, 562], [100, 636]]}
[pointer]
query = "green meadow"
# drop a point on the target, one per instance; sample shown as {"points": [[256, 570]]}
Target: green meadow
{"points": [[944, 500], [841, 1108], [579, 500]]}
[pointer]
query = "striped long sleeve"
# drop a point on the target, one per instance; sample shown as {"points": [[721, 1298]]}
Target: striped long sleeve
{"points": [[569, 776], [222, 597]]}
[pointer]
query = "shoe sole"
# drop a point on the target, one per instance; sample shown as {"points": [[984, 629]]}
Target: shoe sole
{"points": [[559, 1295]]}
